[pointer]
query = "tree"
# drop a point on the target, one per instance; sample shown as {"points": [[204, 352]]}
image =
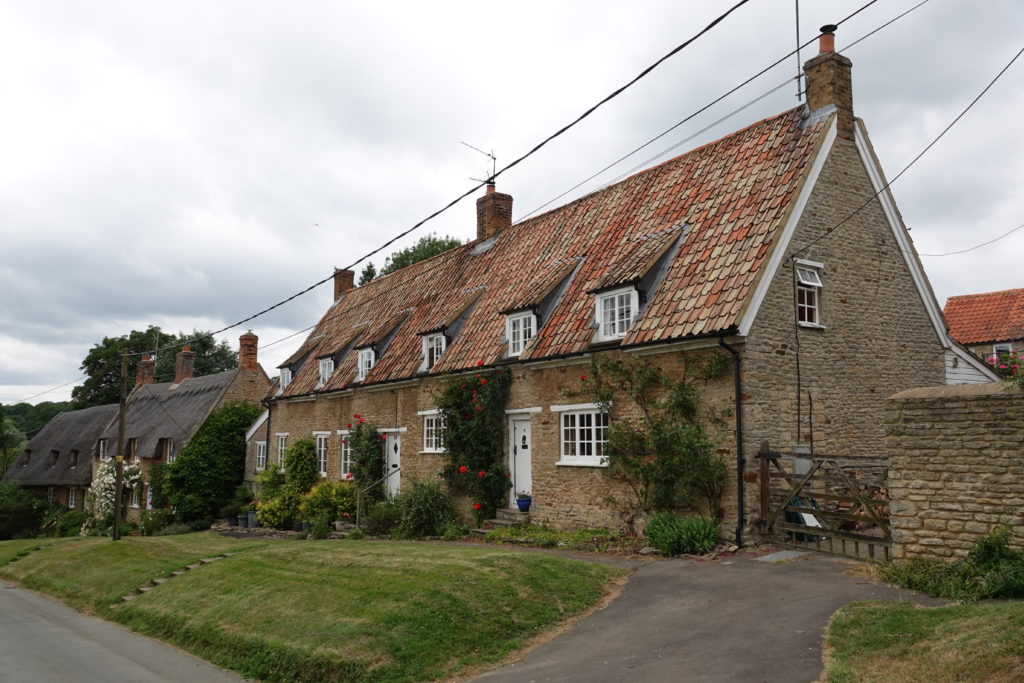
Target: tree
{"points": [[429, 245], [12, 441], [368, 274], [102, 365]]}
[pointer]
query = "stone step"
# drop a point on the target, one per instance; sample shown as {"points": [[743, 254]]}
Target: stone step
{"points": [[513, 515]]}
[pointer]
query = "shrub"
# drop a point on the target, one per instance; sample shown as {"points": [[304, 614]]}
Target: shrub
{"points": [[320, 507], [279, 512], [71, 522], [199, 524], [158, 492], [155, 520], [300, 466], [174, 529], [674, 535], [269, 483], [238, 504], [381, 518], [453, 531], [367, 458], [20, 511], [425, 510]]}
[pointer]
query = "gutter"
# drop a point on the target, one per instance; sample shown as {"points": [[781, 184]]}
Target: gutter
{"points": [[736, 366]]}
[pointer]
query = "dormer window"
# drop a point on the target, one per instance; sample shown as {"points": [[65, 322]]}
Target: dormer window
{"points": [[326, 370], [519, 330], [74, 458], [367, 358], [808, 293], [286, 377], [615, 311], [103, 449], [53, 458], [434, 346]]}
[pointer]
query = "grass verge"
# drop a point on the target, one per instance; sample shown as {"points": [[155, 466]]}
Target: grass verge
{"points": [[597, 540], [902, 642], [293, 610]]}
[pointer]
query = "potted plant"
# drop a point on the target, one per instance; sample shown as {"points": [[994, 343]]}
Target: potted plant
{"points": [[523, 501], [251, 512]]}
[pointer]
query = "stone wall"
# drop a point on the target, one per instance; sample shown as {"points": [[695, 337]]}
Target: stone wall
{"points": [[956, 467]]}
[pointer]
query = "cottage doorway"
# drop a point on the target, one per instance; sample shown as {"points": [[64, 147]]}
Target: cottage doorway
{"points": [[392, 463], [519, 463]]}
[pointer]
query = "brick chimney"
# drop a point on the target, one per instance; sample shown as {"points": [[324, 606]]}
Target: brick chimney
{"points": [[829, 82], [493, 213], [145, 371], [183, 364], [344, 280], [247, 345]]}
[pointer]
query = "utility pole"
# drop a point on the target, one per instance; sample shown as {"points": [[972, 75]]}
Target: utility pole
{"points": [[119, 461]]}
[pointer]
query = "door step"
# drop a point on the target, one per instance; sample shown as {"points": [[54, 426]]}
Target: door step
{"points": [[507, 517]]}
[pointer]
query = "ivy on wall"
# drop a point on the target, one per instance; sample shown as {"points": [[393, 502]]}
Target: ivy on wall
{"points": [[367, 456], [473, 409]]}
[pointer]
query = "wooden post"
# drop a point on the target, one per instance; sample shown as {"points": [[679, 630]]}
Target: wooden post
{"points": [[119, 462]]}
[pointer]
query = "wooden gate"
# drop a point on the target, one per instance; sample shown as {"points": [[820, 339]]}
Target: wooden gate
{"points": [[825, 503]]}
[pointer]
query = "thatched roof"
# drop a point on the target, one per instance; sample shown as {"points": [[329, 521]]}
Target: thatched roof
{"points": [[61, 453]]}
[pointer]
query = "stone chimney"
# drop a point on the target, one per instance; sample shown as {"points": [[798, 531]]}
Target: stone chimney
{"points": [[344, 280], [183, 364], [829, 82], [247, 345], [493, 213], [145, 371]]}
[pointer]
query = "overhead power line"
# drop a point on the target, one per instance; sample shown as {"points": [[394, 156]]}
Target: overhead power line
{"points": [[977, 246]]}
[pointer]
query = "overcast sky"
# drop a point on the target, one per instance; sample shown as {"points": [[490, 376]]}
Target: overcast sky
{"points": [[186, 164]]}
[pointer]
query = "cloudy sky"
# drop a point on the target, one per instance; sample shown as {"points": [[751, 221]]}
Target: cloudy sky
{"points": [[186, 164]]}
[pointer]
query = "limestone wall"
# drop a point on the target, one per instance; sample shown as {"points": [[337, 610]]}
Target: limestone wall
{"points": [[956, 467]]}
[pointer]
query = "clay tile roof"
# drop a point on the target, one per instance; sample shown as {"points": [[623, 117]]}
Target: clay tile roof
{"points": [[723, 203], [989, 317]]}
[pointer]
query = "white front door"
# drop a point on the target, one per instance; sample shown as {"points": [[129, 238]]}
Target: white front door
{"points": [[392, 463], [519, 447]]}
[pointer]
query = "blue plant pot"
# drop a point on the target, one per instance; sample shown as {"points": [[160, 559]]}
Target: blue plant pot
{"points": [[523, 504]]}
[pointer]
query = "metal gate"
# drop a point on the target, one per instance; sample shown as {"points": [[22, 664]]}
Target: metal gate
{"points": [[826, 503]]}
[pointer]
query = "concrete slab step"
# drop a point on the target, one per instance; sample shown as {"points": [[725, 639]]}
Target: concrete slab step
{"points": [[513, 515]]}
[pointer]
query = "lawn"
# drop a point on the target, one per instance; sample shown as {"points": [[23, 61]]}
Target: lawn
{"points": [[300, 610], [903, 642]]}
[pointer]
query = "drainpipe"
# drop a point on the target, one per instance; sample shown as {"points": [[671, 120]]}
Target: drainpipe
{"points": [[741, 521]]}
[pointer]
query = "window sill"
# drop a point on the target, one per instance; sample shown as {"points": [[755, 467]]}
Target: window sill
{"points": [[583, 462], [428, 451], [812, 326]]}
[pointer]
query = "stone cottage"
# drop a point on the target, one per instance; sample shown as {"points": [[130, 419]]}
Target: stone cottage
{"points": [[162, 417], [777, 245], [988, 324]]}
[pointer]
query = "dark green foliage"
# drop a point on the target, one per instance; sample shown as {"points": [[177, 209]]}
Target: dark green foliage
{"points": [[269, 484], [325, 503], [674, 535], [57, 520], [426, 510], [240, 502], [155, 520], [21, 512], [665, 456], [211, 466], [175, 529], [428, 245], [300, 466], [991, 570], [367, 458], [473, 407], [102, 365], [158, 492], [381, 518], [367, 274]]}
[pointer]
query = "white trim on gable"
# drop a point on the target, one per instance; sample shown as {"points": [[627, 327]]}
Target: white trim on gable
{"points": [[787, 232], [906, 247], [257, 424]]}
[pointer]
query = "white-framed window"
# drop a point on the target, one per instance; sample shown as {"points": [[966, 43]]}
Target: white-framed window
{"points": [[104, 455], [808, 293], [999, 349], [615, 311], [72, 497], [433, 433], [346, 455], [433, 348], [326, 370], [261, 456], [282, 446], [286, 378], [321, 452], [136, 495], [168, 453], [367, 358], [85, 499], [519, 329], [149, 497], [583, 436]]}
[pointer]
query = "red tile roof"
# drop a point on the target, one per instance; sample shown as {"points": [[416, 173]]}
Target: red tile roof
{"points": [[723, 203], [989, 317]]}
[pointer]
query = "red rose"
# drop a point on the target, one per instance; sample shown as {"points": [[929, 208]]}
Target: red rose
{"points": [[478, 506], [361, 420], [356, 416], [463, 469], [344, 440], [383, 436], [483, 381], [481, 474], [350, 425], [479, 362], [583, 378]]}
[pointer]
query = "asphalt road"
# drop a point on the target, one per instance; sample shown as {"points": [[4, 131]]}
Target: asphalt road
{"points": [[42, 640], [729, 620]]}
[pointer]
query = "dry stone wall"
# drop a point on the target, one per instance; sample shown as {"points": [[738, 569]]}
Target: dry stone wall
{"points": [[956, 467]]}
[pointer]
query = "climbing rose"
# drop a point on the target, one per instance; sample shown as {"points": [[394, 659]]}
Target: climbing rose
{"points": [[481, 474], [479, 362], [350, 425], [356, 416], [583, 378], [348, 475], [463, 470], [384, 436], [477, 506], [483, 381]]}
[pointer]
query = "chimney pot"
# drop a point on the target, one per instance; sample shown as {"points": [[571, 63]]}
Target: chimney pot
{"points": [[344, 281], [184, 363], [145, 371], [248, 344], [827, 39], [493, 213]]}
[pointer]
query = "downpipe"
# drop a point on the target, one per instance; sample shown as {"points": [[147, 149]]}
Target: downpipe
{"points": [[741, 521]]}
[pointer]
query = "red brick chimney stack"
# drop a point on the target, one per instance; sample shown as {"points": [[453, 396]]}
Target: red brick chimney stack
{"points": [[184, 362], [247, 346], [829, 82], [344, 280], [493, 213], [145, 371]]}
